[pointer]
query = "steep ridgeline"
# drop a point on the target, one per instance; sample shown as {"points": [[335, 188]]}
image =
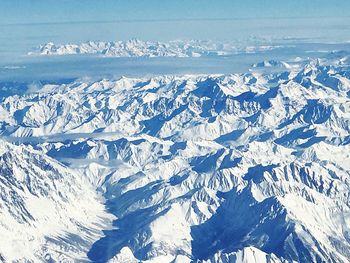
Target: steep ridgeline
{"points": [[238, 168], [48, 212]]}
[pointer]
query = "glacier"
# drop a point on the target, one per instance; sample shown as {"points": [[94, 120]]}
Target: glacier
{"points": [[248, 167]]}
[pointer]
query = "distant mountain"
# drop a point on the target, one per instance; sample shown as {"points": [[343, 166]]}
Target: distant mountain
{"points": [[223, 168], [138, 48], [271, 64]]}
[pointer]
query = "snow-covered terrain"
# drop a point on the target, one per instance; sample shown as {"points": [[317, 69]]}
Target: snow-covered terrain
{"points": [[250, 167], [48, 212], [139, 48]]}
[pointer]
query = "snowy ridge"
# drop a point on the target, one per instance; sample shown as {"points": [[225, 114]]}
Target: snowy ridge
{"points": [[138, 48], [48, 212], [242, 168]]}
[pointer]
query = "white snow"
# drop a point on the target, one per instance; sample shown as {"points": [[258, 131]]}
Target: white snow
{"points": [[139, 48], [247, 167]]}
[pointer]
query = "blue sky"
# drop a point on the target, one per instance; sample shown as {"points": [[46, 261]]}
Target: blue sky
{"points": [[28, 23], [41, 11]]}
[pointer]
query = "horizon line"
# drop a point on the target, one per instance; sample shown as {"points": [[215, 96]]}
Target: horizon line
{"points": [[164, 20]]}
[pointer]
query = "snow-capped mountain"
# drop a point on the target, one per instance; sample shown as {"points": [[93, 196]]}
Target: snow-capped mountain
{"points": [[48, 212], [139, 48], [135, 48], [271, 64], [223, 168]]}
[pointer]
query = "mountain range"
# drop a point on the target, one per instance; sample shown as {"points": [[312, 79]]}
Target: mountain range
{"points": [[249, 167], [139, 48]]}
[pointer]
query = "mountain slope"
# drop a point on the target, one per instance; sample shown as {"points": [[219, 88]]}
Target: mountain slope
{"points": [[245, 168], [48, 212]]}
